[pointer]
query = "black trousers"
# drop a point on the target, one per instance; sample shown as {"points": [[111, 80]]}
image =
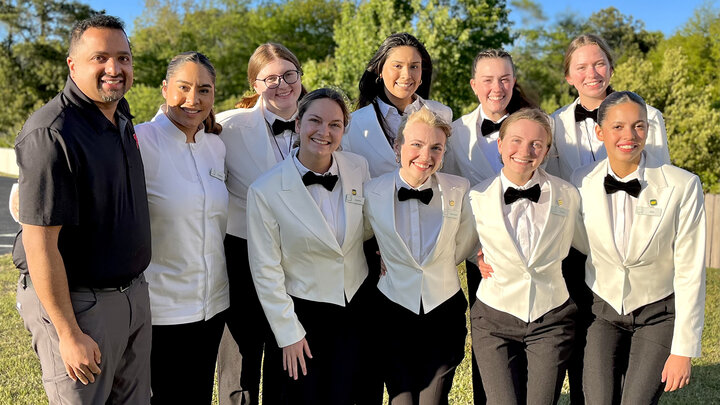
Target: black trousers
{"points": [[625, 354], [336, 337], [473, 281], [422, 351], [522, 362], [573, 269], [182, 361], [240, 358]]}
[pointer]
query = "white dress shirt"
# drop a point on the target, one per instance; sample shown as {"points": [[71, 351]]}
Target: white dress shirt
{"points": [[330, 203], [282, 144], [525, 219], [622, 208], [188, 203], [418, 224], [488, 144], [589, 144], [393, 119]]}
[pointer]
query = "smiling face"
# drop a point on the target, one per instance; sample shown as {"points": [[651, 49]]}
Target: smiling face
{"points": [[589, 72], [101, 65], [282, 100], [421, 153], [189, 95], [523, 149], [321, 129], [493, 85], [624, 132], [402, 74]]}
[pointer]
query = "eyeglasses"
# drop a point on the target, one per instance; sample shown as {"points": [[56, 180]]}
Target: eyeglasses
{"points": [[273, 81]]}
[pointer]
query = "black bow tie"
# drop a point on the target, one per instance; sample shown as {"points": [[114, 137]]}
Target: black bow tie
{"points": [[581, 114], [423, 195], [328, 180], [488, 127], [512, 194], [279, 126], [631, 187]]}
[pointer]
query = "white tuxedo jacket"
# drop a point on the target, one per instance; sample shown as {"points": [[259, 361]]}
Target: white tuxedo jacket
{"points": [[464, 157], [293, 251], [434, 280], [526, 290], [249, 154], [564, 154], [666, 251], [366, 138]]}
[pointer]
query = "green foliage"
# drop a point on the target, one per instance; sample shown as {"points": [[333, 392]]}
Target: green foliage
{"points": [[144, 102], [453, 33]]}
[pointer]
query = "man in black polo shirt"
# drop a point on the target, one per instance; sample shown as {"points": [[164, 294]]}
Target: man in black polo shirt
{"points": [[85, 238]]}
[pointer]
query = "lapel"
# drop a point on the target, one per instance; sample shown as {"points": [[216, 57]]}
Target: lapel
{"points": [[351, 180], [477, 162], [257, 139], [491, 203], [599, 224], [448, 193], [644, 227], [553, 223], [571, 150], [299, 201], [376, 137]]}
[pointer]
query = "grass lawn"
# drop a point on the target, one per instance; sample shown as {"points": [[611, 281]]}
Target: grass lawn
{"points": [[20, 371]]}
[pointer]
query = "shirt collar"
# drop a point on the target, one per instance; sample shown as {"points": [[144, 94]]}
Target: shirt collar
{"points": [[169, 128], [302, 169], [386, 108], [270, 116], [91, 111], [537, 178], [400, 182], [639, 173], [485, 117]]}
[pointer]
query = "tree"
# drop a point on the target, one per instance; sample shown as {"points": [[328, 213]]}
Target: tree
{"points": [[453, 31]]}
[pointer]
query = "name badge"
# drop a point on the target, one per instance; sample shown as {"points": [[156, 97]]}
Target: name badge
{"points": [[652, 211], [354, 199], [558, 210], [452, 213], [218, 174]]}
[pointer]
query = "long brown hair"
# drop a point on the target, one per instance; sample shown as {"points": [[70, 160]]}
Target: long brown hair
{"points": [[263, 55]]}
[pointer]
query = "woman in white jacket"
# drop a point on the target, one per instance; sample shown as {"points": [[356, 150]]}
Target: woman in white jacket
{"points": [[184, 161]]}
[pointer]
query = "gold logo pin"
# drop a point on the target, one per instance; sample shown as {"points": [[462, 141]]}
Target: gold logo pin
{"points": [[452, 203], [560, 202], [354, 192], [653, 202]]}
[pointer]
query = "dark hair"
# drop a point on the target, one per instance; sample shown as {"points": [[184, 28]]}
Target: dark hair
{"points": [[535, 115], [518, 100], [264, 55], [177, 62], [96, 21], [320, 94], [370, 83], [619, 97]]}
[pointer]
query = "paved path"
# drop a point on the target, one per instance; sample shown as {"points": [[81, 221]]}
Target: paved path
{"points": [[8, 227]]}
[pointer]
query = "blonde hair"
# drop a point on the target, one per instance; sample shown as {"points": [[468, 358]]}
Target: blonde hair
{"points": [[426, 116], [531, 114], [264, 55], [587, 39]]}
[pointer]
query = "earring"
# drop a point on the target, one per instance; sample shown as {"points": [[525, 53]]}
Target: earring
{"points": [[397, 158]]}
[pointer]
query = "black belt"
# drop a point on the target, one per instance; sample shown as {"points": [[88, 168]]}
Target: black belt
{"points": [[26, 282]]}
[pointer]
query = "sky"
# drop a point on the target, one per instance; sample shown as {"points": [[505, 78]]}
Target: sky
{"points": [[663, 15]]}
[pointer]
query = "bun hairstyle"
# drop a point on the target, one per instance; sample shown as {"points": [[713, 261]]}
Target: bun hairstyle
{"points": [[264, 55], [211, 126], [619, 97], [518, 99], [531, 114], [371, 85]]}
